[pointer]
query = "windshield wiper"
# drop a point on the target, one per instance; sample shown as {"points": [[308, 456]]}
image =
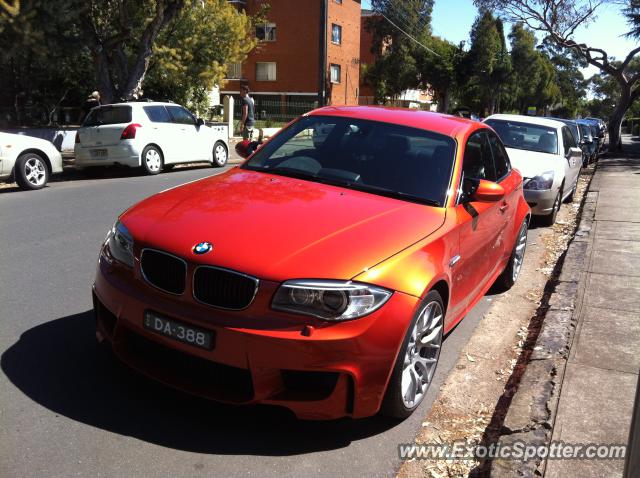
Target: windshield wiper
{"points": [[394, 194]]}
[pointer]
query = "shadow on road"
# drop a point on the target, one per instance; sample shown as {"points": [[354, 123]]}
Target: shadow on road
{"points": [[60, 366]]}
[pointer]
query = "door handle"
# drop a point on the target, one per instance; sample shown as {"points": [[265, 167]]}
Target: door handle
{"points": [[504, 207]]}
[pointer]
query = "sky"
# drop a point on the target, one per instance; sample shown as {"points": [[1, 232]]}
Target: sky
{"points": [[452, 20]]}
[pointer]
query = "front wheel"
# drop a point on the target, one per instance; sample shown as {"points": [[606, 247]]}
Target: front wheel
{"points": [[417, 360], [152, 160], [31, 171], [510, 274], [220, 154]]}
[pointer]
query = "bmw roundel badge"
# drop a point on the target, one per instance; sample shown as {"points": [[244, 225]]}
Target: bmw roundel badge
{"points": [[202, 248]]}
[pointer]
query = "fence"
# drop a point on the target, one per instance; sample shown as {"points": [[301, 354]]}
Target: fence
{"points": [[39, 115], [276, 111]]}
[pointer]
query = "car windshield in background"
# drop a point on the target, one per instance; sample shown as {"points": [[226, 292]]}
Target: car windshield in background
{"points": [[530, 137], [380, 158], [104, 115]]}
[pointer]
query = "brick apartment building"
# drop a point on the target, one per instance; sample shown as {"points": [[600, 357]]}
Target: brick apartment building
{"points": [[309, 53]]}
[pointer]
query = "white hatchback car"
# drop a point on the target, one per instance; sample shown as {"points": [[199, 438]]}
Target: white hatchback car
{"points": [[548, 157], [27, 160], [152, 135]]}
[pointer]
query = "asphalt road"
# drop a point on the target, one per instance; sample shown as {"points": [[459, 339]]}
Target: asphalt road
{"points": [[69, 409]]}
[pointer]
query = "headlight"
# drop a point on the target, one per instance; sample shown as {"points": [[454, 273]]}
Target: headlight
{"points": [[120, 244], [544, 181], [328, 299]]}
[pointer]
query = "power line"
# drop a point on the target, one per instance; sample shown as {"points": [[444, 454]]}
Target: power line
{"points": [[412, 38]]}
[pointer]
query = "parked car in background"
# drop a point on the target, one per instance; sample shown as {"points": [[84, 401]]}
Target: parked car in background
{"points": [[154, 136], [600, 131], [546, 153], [27, 160], [322, 274], [589, 143]]}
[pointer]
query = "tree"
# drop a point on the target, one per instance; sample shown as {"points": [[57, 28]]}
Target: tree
{"points": [[8, 10], [569, 79], [191, 55], [399, 29], [440, 72], [559, 20], [487, 65]]}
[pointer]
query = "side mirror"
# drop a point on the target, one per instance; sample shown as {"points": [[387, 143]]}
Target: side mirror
{"points": [[199, 121], [246, 148], [483, 191], [574, 153]]}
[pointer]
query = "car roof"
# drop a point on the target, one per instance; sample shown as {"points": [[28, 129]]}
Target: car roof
{"points": [[142, 103], [436, 122], [563, 120], [537, 120]]}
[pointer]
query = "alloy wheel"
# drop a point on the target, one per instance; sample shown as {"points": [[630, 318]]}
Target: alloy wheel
{"points": [[422, 353], [518, 256], [35, 171]]}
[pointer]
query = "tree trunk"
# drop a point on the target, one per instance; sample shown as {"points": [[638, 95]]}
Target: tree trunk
{"points": [[615, 122]]}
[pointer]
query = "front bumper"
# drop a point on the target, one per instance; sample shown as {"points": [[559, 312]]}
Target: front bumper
{"points": [[540, 202], [319, 370]]}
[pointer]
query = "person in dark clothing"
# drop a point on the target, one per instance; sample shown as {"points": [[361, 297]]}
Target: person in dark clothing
{"points": [[248, 113], [92, 101]]}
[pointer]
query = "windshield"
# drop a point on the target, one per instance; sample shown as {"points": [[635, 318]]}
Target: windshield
{"points": [[108, 115], [380, 158], [585, 130], [530, 137]]}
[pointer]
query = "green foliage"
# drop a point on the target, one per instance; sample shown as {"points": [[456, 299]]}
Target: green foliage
{"points": [[632, 13], [439, 71], [190, 56]]}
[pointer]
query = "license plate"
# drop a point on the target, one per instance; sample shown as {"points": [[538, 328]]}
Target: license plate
{"points": [[99, 153], [178, 330]]}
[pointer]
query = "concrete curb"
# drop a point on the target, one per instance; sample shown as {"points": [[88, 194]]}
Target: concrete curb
{"points": [[531, 412]]}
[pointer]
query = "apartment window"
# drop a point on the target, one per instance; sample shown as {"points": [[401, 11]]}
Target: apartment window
{"points": [[265, 71], [336, 34], [338, 1], [234, 71], [266, 32], [335, 73]]}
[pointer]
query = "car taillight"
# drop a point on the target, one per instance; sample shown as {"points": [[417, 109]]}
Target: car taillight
{"points": [[77, 137], [130, 131]]}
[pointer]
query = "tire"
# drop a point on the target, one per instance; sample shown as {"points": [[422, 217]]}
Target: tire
{"points": [[550, 219], [511, 273], [412, 376], [569, 198], [151, 159], [220, 154], [31, 171]]}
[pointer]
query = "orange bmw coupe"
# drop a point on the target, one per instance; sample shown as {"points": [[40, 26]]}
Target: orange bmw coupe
{"points": [[321, 274]]}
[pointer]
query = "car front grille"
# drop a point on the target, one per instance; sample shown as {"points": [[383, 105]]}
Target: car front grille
{"points": [[223, 288], [163, 271]]}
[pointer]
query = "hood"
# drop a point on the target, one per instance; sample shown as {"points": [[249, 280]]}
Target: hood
{"points": [[24, 141], [279, 228], [533, 163]]}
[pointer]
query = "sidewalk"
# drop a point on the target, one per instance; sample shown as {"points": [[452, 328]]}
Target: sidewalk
{"points": [[580, 381], [601, 375]]}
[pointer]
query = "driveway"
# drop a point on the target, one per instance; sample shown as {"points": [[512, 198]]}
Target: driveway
{"points": [[69, 409]]}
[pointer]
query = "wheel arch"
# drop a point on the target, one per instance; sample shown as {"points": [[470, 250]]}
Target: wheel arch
{"points": [[37, 151], [155, 145]]}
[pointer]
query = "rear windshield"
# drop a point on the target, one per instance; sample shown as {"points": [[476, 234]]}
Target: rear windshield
{"points": [[108, 115], [530, 137]]}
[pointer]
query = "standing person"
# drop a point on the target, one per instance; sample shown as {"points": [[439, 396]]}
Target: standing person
{"points": [[248, 115], [92, 101]]}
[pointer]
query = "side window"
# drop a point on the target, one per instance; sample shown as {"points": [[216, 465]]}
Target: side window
{"points": [[478, 160], [567, 139], [157, 114], [181, 116], [500, 157]]}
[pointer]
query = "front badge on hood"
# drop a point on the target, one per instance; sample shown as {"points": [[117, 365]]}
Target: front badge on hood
{"points": [[202, 248]]}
